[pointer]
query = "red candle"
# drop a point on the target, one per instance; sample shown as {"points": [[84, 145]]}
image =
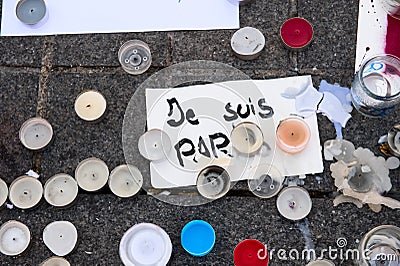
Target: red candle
{"points": [[292, 135], [250, 252], [296, 33]]}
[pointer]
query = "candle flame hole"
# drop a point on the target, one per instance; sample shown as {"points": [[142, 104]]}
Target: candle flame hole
{"points": [[25, 193], [37, 135], [32, 10], [14, 239], [297, 32], [88, 106]]}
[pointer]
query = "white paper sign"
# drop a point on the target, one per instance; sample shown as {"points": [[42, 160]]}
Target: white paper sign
{"points": [[205, 115], [103, 16], [372, 26]]}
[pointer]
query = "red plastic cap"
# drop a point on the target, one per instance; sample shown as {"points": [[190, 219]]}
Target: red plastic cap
{"points": [[250, 252], [297, 33]]}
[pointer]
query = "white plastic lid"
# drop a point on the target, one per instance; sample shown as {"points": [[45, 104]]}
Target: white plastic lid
{"points": [[145, 244]]}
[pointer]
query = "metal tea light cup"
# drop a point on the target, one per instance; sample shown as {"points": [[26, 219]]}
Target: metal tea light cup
{"points": [[392, 7], [380, 246], [376, 88]]}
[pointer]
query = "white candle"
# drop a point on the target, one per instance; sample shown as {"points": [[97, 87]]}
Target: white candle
{"points": [[154, 145], [213, 182], [55, 261], [25, 192], [125, 181], [321, 263], [247, 138], [31, 12], [92, 174], [294, 203], [35, 133], [90, 105], [60, 190], [60, 237], [14, 238], [247, 43], [3, 192], [145, 244]]}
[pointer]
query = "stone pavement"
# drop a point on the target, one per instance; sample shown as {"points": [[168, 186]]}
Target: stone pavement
{"points": [[43, 75]]}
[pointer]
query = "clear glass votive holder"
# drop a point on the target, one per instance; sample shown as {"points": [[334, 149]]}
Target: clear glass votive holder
{"points": [[376, 88]]}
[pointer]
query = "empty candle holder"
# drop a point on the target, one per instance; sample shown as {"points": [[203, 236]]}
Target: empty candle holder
{"points": [[55, 261], [213, 182], [247, 138], [294, 203], [296, 33], [135, 57], [380, 246], [31, 12], [376, 87], [125, 181], [248, 43], [60, 237], [90, 106], [392, 7], [60, 190], [92, 174]]}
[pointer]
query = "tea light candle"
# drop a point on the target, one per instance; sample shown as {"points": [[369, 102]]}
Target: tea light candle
{"points": [[321, 263], [292, 135], [31, 12], [92, 174], [294, 203], [198, 238], [247, 138], [247, 43], [145, 244], [25, 192], [3, 192], [394, 140], [35, 133], [55, 261], [14, 238], [60, 190], [250, 252], [90, 105], [125, 181], [213, 182], [60, 237], [296, 33], [154, 145]]}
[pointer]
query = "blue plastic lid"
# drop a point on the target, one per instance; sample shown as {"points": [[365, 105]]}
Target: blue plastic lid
{"points": [[198, 238]]}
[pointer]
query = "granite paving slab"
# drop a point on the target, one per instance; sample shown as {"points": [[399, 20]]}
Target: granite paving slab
{"points": [[103, 219]]}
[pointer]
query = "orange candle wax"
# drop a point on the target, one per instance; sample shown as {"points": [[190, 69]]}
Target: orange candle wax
{"points": [[292, 135]]}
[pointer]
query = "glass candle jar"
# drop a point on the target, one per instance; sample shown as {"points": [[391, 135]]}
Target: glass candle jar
{"points": [[380, 246], [392, 7], [376, 86]]}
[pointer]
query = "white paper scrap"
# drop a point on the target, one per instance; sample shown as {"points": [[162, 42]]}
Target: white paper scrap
{"points": [[103, 16]]}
